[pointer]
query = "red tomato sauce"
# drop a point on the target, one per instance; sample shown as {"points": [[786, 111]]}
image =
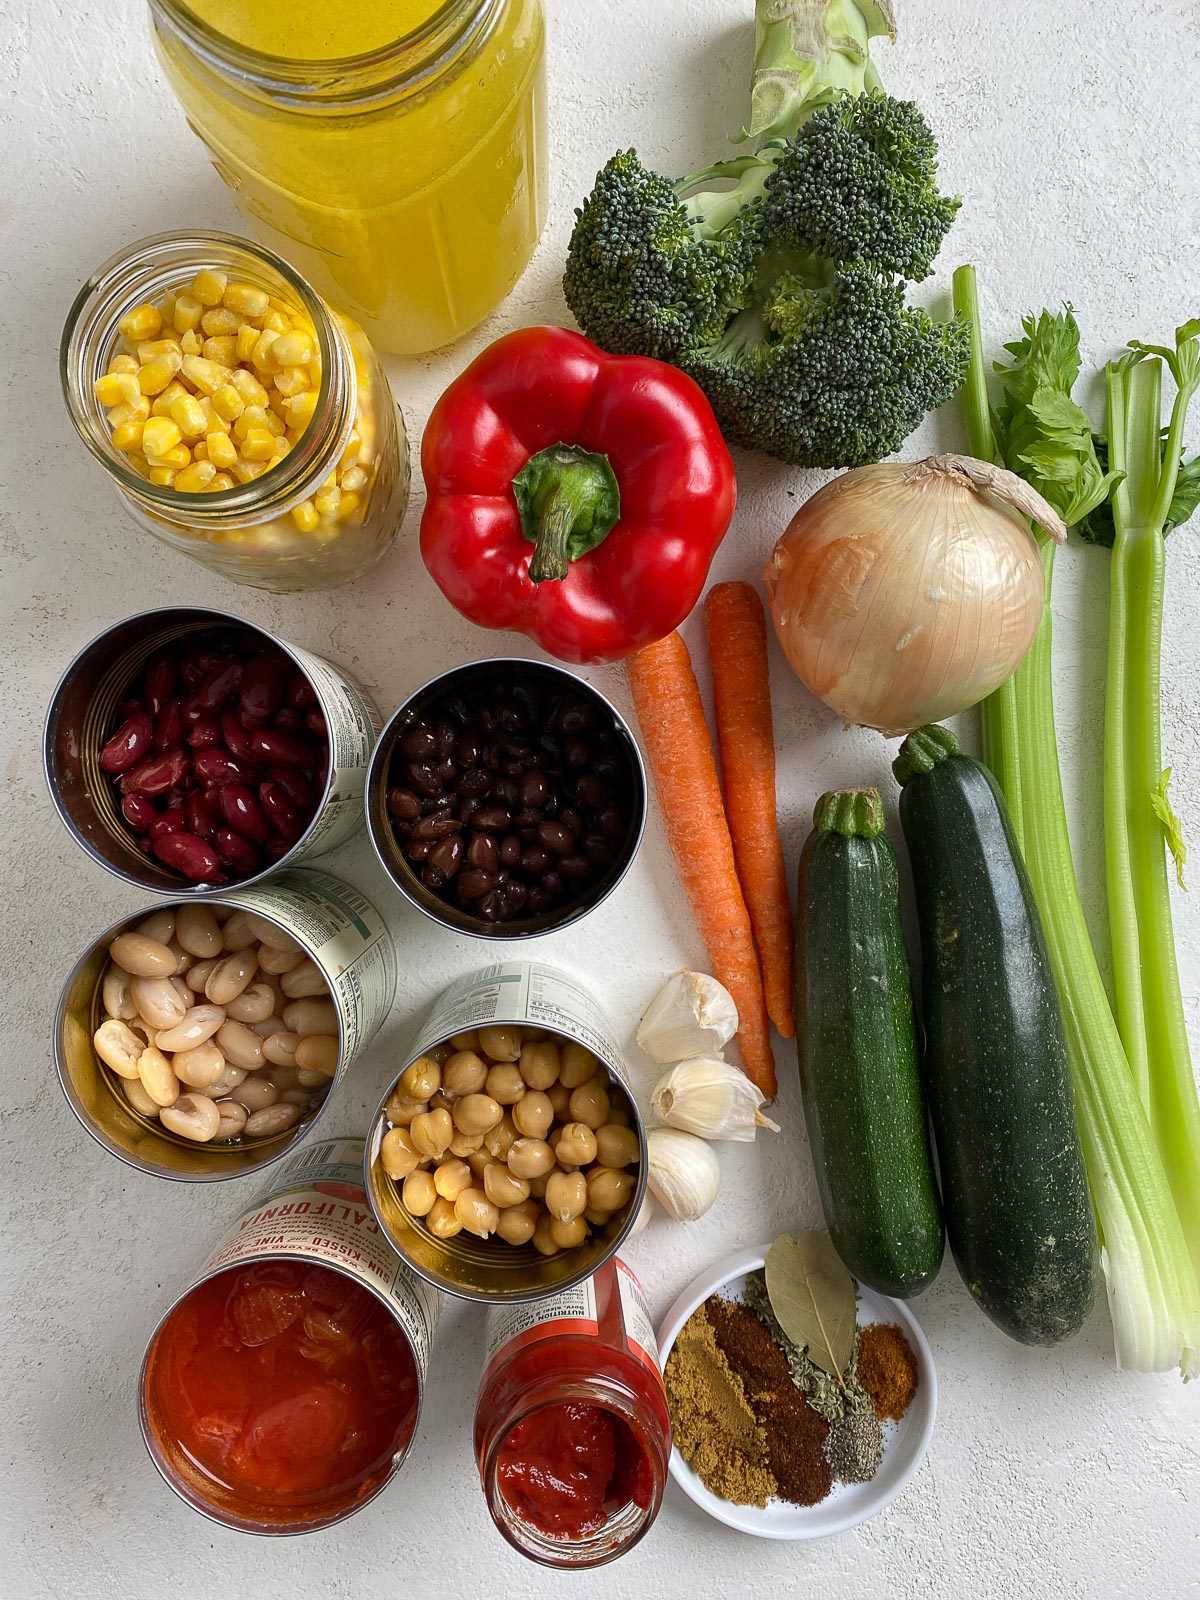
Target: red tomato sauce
{"points": [[567, 1469], [284, 1387]]}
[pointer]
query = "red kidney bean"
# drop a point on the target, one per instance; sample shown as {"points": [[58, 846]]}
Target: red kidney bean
{"points": [[129, 708], [237, 739], [139, 812], [289, 720], [193, 712], [162, 674], [172, 820], [301, 693], [281, 749], [243, 813], [264, 684], [235, 851], [203, 815], [194, 858], [296, 786], [128, 745], [315, 722], [205, 734], [191, 672], [144, 843], [158, 774], [218, 766], [220, 685], [168, 725], [279, 811], [276, 848]]}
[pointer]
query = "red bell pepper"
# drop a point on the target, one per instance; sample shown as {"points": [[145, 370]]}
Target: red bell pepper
{"points": [[574, 496]]}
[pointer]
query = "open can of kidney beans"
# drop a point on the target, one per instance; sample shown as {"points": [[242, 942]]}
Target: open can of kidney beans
{"points": [[339, 930], [303, 1283], [550, 1004], [314, 707], [506, 798]]}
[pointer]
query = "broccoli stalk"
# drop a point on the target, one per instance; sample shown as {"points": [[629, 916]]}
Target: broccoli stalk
{"points": [[777, 278]]}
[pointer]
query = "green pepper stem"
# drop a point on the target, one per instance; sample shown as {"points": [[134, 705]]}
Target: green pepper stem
{"points": [[569, 502]]}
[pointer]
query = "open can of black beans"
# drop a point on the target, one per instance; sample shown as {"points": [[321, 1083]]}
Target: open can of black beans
{"points": [[506, 799]]}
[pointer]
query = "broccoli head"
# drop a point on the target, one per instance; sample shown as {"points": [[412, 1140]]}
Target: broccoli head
{"points": [[777, 279]]}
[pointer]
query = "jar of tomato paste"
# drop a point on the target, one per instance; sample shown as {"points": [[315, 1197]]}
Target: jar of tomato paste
{"points": [[572, 1431], [281, 1391]]}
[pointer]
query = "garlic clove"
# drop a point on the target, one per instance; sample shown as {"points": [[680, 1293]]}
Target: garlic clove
{"points": [[645, 1212], [683, 1174], [711, 1098], [691, 1015]]}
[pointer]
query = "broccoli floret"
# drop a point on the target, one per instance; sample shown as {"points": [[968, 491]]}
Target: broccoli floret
{"points": [[777, 280]]}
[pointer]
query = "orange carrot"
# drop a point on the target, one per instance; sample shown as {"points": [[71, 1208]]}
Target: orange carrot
{"points": [[737, 647], [675, 734]]}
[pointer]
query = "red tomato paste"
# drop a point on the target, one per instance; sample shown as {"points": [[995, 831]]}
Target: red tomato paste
{"points": [[285, 1386], [568, 1468]]}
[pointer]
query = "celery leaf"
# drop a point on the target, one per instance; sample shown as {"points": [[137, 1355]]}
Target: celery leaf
{"points": [[1172, 826]]}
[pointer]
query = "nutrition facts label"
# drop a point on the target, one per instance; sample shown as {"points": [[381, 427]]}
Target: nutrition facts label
{"points": [[353, 723]]}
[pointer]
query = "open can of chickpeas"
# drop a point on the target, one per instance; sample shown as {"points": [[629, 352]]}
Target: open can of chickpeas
{"points": [[508, 1161], [186, 750], [200, 1041], [281, 1391]]}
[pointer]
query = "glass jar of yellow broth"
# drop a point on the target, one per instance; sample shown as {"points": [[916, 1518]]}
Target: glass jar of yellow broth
{"points": [[395, 149], [242, 420]]}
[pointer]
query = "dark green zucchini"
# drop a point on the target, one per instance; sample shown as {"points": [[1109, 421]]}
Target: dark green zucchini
{"points": [[858, 1052], [1013, 1186]]}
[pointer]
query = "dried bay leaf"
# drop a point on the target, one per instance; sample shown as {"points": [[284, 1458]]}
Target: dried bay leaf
{"points": [[813, 1297]]}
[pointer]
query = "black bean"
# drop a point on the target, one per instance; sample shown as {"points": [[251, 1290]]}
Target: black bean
{"points": [[419, 742], [471, 883], [457, 709], [568, 817], [491, 819], [611, 822], [589, 792], [534, 789], [507, 791], [510, 850], [526, 819], [446, 735], [485, 720], [418, 849], [510, 718], [550, 744], [436, 827], [598, 849], [557, 838], [446, 857], [404, 805], [482, 852], [535, 860], [466, 751], [538, 903], [434, 805], [474, 782], [578, 754], [527, 836], [551, 883], [575, 868], [516, 894], [467, 809], [490, 757], [494, 906], [423, 778], [575, 717]]}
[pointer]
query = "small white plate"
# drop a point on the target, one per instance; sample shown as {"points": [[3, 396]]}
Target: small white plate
{"points": [[848, 1504]]}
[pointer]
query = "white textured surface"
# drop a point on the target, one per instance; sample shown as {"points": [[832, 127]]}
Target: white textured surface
{"points": [[1070, 130]]}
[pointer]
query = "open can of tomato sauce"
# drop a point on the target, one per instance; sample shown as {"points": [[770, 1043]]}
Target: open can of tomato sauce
{"points": [[572, 1429], [201, 725], [282, 1389], [350, 958], [523, 1052]]}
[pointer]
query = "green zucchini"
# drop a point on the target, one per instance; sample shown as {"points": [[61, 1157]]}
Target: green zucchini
{"points": [[857, 1046], [1013, 1184]]}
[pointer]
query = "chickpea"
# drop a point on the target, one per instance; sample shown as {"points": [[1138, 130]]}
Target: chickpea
{"points": [[465, 1041], [500, 1043], [476, 1213], [421, 1079], [589, 1103], [560, 1099], [530, 1158], [464, 1073], [498, 1141], [431, 1132], [440, 1102], [479, 1161], [567, 1235], [476, 1113], [621, 1115], [617, 1146], [440, 1053], [578, 1065], [465, 1144], [452, 1177], [505, 1083], [418, 1194], [608, 1190], [537, 1186], [542, 1239], [517, 1223], [443, 1220], [533, 1114], [400, 1109], [539, 1063], [598, 1219], [575, 1145], [566, 1195], [502, 1189], [397, 1154]]}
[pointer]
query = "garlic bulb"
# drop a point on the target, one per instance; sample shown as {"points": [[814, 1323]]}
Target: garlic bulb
{"points": [[709, 1097], [691, 1014], [684, 1174]]}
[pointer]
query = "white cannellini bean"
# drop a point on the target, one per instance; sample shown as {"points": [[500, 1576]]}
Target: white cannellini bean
{"points": [[198, 1024], [196, 977], [183, 961], [280, 1049], [229, 1080], [284, 1077], [158, 1077], [254, 1004], [199, 1068], [272, 1025], [193, 1116], [269, 933], [141, 1102], [306, 979], [118, 1047], [159, 925], [241, 1045], [318, 1052], [310, 1016], [142, 957], [256, 1092], [158, 1002], [296, 1097], [197, 931], [275, 961], [232, 1119], [306, 1078], [230, 976], [116, 994], [271, 1120], [237, 934]]}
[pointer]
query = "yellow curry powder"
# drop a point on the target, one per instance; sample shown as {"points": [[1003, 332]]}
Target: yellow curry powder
{"points": [[713, 1425]]}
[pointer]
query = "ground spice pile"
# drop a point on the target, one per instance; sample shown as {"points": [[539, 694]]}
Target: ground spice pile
{"points": [[887, 1369], [715, 1430]]}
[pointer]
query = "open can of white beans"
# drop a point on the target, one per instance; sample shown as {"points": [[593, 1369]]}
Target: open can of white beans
{"points": [[84, 709], [313, 1215], [342, 935], [551, 1005]]}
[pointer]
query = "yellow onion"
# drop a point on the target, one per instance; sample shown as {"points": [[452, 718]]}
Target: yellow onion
{"points": [[905, 592]]}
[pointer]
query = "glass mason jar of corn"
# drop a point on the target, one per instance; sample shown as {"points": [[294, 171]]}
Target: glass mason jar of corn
{"points": [[242, 420]]}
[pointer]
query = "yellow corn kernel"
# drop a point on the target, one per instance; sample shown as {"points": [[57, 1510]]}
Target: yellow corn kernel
{"points": [[164, 477], [209, 285], [262, 358], [275, 423], [191, 343], [300, 409], [127, 436], [207, 376], [160, 435], [276, 304], [227, 403], [277, 322], [123, 364], [219, 323], [290, 381], [221, 481], [117, 389], [327, 501], [151, 349], [163, 402], [180, 456], [305, 517], [247, 471], [221, 347], [198, 476], [248, 386], [293, 349], [200, 450], [349, 456], [352, 479], [247, 338], [188, 413], [188, 312], [251, 417], [118, 416], [222, 451], [157, 374], [280, 445], [246, 300], [143, 322], [258, 445], [347, 506]]}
